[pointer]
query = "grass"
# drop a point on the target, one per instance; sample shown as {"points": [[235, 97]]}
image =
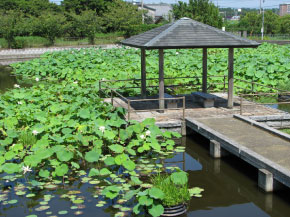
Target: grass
{"points": [[173, 194], [285, 130], [36, 41]]}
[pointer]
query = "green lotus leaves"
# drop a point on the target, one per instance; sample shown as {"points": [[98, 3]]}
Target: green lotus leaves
{"points": [[64, 155], [145, 201], [111, 191], [92, 156], [10, 168], [129, 165], [121, 158], [94, 172], [156, 193], [179, 178], [117, 148], [109, 161], [61, 170], [44, 173], [105, 172], [156, 210]]}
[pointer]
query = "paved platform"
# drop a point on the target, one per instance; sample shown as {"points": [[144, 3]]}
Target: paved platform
{"points": [[256, 146]]}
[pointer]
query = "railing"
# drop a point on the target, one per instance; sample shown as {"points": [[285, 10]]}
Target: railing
{"points": [[253, 94], [113, 92], [197, 78]]}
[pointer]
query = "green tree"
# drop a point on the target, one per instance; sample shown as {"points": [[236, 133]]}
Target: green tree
{"points": [[8, 26], [86, 24], [200, 10], [285, 24], [271, 23], [251, 22], [29, 7], [49, 25], [78, 6], [120, 16]]}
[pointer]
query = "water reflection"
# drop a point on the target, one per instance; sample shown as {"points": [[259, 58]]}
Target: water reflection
{"points": [[6, 80], [230, 190]]}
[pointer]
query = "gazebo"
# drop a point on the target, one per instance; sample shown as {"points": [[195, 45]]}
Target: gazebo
{"points": [[186, 33]]}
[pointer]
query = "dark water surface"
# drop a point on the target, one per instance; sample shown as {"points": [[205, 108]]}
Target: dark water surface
{"points": [[7, 81], [230, 190]]}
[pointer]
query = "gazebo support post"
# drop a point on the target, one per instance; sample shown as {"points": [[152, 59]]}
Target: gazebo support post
{"points": [[204, 70], [161, 79], [143, 73], [231, 78]]}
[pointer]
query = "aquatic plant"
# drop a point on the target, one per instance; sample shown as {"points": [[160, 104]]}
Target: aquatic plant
{"points": [[269, 65]]}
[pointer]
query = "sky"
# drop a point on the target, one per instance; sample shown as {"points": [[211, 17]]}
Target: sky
{"points": [[227, 3]]}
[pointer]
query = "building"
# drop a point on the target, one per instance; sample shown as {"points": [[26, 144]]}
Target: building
{"points": [[150, 11], [163, 11], [157, 11], [284, 9]]}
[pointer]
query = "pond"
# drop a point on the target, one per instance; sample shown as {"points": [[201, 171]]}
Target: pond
{"points": [[7, 81], [230, 190]]}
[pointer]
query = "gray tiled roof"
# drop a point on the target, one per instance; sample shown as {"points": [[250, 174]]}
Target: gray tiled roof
{"points": [[187, 33]]}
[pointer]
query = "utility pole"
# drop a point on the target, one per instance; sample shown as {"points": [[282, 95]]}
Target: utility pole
{"points": [[262, 30], [260, 6], [142, 8]]}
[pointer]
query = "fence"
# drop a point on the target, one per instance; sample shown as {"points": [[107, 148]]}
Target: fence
{"points": [[250, 91]]}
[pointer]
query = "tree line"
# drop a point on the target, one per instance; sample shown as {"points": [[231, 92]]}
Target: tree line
{"points": [[252, 23], [73, 18]]}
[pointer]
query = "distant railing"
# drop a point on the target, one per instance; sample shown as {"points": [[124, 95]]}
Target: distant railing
{"points": [[250, 91], [196, 85]]}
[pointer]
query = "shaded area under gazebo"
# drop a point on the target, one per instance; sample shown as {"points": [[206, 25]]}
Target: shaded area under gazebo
{"points": [[184, 34]]}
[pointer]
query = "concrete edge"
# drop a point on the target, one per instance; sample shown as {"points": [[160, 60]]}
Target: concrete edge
{"points": [[271, 117], [280, 173], [263, 127]]}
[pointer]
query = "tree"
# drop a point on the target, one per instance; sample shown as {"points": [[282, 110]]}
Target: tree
{"points": [[200, 10], [8, 26], [49, 25], [29, 7], [271, 23], [285, 24], [120, 16], [85, 24], [251, 22], [100, 6]]}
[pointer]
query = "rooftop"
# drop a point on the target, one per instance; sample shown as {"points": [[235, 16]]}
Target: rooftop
{"points": [[187, 33]]}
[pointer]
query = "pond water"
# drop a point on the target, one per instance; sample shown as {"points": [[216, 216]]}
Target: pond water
{"points": [[230, 190], [7, 81]]}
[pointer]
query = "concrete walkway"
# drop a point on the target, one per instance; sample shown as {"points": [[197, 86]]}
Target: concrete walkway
{"points": [[256, 146], [9, 56]]}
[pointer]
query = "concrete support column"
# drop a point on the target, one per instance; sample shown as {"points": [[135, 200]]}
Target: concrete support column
{"points": [[231, 78], [266, 180], [143, 73], [204, 70], [215, 149], [161, 79]]}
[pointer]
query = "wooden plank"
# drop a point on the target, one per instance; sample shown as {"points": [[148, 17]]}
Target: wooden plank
{"points": [[161, 79], [204, 70], [231, 78], [143, 73]]}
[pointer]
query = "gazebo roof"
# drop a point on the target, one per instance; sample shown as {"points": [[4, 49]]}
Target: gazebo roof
{"points": [[187, 33]]}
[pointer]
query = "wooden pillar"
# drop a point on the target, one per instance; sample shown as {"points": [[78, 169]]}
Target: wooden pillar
{"points": [[143, 73], [161, 78], [231, 78], [204, 70]]}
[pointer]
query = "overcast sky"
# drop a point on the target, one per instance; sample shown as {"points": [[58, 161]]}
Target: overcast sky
{"points": [[226, 3]]}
